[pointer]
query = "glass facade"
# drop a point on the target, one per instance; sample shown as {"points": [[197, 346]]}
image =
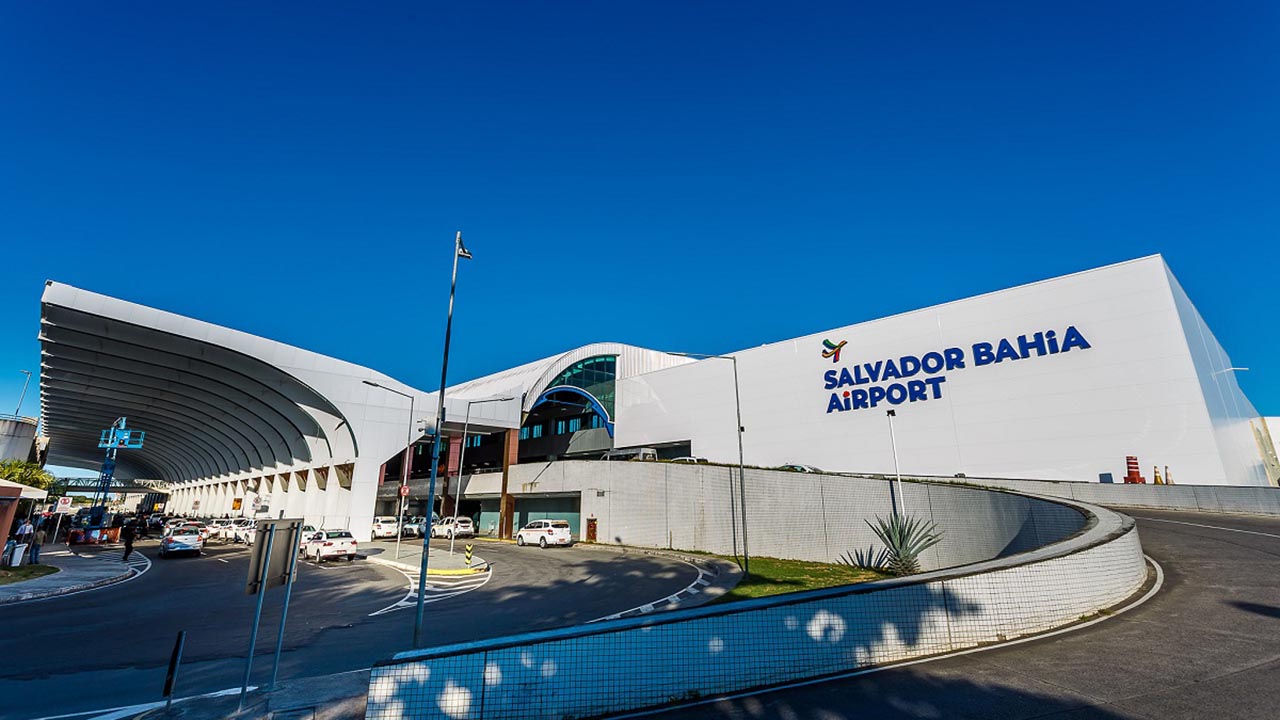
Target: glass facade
{"points": [[596, 375]]}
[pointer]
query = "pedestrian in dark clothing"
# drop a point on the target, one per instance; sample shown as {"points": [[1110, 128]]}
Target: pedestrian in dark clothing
{"points": [[127, 534], [37, 539]]}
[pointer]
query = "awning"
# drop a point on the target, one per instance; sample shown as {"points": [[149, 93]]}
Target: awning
{"points": [[28, 492]]}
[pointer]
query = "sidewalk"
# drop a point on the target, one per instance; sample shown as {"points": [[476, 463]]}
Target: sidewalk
{"points": [[329, 697], [75, 573], [439, 562]]}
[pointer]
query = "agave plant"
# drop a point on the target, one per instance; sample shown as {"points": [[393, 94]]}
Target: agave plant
{"points": [[904, 538], [869, 558]]}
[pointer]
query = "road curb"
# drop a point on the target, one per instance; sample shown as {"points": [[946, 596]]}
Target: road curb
{"points": [[67, 590]]}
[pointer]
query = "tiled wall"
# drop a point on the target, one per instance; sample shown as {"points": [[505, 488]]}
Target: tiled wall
{"points": [[634, 663]]}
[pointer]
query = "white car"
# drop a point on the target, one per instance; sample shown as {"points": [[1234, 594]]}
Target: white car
{"points": [[452, 527], [545, 532], [238, 529], [324, 544], [182, 538], [691, 459], [251, 535], [385, 526], [216, 526]]}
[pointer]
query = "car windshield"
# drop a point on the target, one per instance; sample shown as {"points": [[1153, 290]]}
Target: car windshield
{"points": [[187, 530], [337, 534], [561, 525]]}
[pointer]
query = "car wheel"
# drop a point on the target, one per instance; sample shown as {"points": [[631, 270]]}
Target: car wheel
{"points": [[542, 543], [450, 534], [519, 539], [351, 558]]}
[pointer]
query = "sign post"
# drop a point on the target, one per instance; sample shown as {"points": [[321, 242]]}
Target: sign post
{"points": [[272, 564]]}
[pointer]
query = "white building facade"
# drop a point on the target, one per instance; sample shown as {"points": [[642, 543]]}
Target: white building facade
{"points": [[1059, 380]]}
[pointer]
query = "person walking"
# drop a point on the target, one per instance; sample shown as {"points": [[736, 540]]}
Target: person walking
{"points": [[24, 532], [37, 539], [127, 534]]}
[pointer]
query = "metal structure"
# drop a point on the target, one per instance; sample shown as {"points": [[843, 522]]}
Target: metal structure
{"points": [[113, 439]]}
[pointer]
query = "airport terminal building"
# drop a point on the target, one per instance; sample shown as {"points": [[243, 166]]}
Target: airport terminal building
{"points": [[1061, 379]]}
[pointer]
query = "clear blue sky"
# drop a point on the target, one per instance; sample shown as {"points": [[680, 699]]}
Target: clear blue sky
{"points": [[688, 176]]}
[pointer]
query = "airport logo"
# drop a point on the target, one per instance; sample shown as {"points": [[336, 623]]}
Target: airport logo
{"points": [[833, 350]]}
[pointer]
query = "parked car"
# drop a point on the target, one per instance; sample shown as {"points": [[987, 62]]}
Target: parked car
{"points": [[452, 527], [415, 526], [238, 529], [799, 468], [691, 459], [544, 533], [183, 538], [385, 526], [325, 544], [251, 535], [216, 526]]}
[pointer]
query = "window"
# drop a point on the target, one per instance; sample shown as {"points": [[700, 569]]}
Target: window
{"points": [[524, 433], [575, 424], [537, 430], [596, 421], [559, 427], [474, 441]]}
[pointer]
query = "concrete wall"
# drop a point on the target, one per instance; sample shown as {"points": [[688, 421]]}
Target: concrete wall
{"points": [[788, 515], [17, 436], [1202, 498], [1065, 416], [622, 665]]}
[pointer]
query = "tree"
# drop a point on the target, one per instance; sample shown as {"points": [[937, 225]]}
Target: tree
{"points": [[26, 473]]}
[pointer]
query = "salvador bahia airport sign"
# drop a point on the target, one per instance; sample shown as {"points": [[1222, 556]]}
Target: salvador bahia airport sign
{"points": [[921, 378]]}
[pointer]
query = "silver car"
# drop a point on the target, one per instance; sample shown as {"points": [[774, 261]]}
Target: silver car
{"points": [[182, 539]]}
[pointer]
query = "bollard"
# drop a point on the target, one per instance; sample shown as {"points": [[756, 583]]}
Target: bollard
{"points": [[175, 659]]}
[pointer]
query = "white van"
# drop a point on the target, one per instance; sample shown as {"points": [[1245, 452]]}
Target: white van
{"points": [[631, 454]]}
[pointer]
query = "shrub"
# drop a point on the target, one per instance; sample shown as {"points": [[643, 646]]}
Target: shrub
{"points": [[904, 538]]}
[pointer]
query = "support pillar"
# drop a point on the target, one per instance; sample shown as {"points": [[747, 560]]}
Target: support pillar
{"points": [[507, 503], [452, 478]]}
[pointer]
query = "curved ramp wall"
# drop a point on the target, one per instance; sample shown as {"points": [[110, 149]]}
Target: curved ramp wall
{"points": [[790, 515], [628, 664]]}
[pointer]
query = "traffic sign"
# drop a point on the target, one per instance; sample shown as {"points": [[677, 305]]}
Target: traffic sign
{"points": [[469, 549], [404, 491], [64, 505]]}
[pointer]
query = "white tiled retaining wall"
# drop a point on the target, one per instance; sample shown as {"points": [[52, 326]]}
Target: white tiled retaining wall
{"points": [[633, 663]]}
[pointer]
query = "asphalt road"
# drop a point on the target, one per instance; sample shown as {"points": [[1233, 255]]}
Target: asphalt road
{"points": [[1206, 646], [110, 647]]}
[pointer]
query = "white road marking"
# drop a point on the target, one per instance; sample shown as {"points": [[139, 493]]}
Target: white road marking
{"points": [[674, 598], [124, 711], [856, 673], [1210, 527], [438, 588], [223, 560], [139, 564]]}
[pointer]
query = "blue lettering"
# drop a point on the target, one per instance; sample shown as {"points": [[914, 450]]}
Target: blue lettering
{"points": [[1025, 347], [909, 365], [982, 354], [890, 371], [858, 379], [873, 371], [834, 403], [955, 357], [932, 362], [936, 384], [876, 394], [1005, 351], [1073, 339], [897, 394], [830, 380], [859, 399], [845, 378], [1052, 337], [915, 391]]}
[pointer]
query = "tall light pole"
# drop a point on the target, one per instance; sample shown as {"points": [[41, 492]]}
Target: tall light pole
{"points": [[893, 443], [742, 482], [457, 493], [459, 251], [408, 460], [23, 396]]}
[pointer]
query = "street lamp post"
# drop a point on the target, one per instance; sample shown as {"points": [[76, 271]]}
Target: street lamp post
{"points": [[742, 482], [457, 493], [408, 459], [893, 443], [23, 396], [459, 251]]}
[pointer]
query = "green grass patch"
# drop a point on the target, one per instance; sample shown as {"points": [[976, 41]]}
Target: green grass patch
{"points": [[24, 572], [771, 576]]}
